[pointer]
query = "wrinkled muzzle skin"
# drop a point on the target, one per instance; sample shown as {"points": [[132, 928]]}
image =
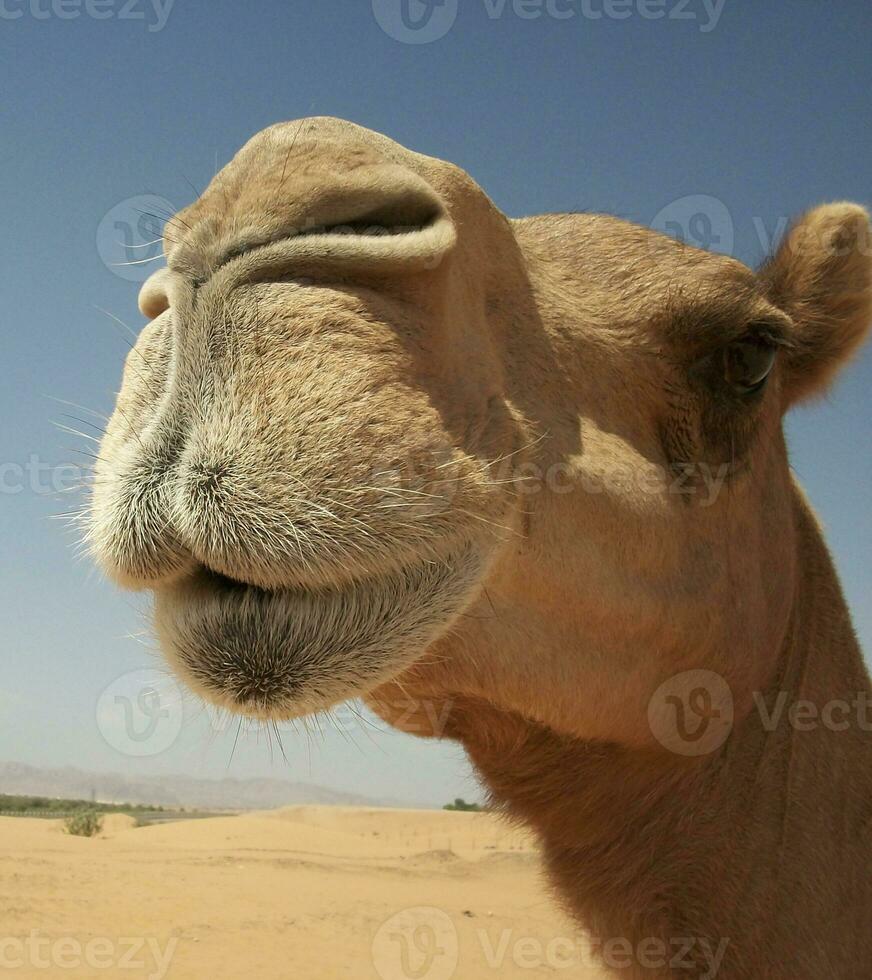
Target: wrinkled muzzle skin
{"points": [[301, 462]]}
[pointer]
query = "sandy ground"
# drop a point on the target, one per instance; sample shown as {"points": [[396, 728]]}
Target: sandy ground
{"points": [[304, 892]]}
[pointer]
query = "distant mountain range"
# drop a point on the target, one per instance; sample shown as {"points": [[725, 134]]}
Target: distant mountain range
{"points": [[17, 779]]}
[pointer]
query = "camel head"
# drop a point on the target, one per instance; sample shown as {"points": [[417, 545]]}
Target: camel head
{"points": [[299, 463], [377, 435]]}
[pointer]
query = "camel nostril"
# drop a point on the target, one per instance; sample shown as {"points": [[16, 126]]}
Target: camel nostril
{"points": [[373, 216]]}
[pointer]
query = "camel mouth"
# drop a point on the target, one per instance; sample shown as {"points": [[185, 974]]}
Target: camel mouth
{"points": [[277, 654]]}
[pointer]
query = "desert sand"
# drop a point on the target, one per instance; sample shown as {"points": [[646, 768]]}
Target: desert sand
{"points": [[303, 892]]}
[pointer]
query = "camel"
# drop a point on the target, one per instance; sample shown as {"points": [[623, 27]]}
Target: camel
{"points": [[522, 484]]}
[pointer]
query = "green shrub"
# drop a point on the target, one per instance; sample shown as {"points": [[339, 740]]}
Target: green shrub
{"points": [[463, 806], [86, 824]]}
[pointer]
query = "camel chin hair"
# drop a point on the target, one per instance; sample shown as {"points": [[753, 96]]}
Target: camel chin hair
{"points": [[523, 484]]}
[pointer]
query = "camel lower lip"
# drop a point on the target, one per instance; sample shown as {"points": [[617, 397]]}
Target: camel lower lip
{"points": [[285, 653]]}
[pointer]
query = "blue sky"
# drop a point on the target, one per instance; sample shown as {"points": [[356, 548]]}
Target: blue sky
{"points": [[596, 105]]}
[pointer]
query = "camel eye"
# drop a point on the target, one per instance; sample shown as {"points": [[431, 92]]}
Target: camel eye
{"points": [[748, 363]]}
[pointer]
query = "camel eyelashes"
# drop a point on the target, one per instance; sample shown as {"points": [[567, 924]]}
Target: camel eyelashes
{"points": [[740, 367], [748, 364]]}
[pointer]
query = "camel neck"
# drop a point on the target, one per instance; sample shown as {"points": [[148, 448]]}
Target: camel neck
{"points": [[768, 838]]}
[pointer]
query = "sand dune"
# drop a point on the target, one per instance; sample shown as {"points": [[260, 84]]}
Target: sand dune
{"points": [[304, 892]]}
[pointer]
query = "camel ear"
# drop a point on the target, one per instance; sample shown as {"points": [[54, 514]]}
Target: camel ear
{"points": [[821, 276], [153, 299]]}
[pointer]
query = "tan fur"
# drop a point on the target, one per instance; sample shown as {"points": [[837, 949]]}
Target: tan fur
{"points": [[381, 440]]}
